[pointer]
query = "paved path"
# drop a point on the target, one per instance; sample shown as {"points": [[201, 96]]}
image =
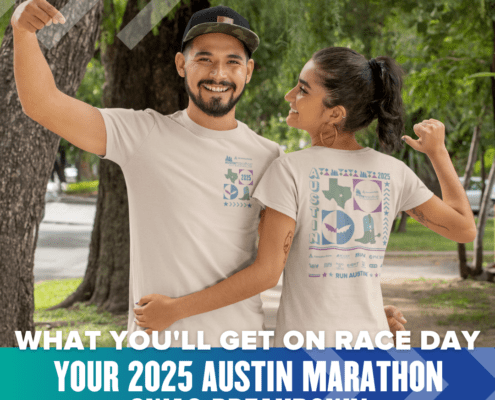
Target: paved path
{"points": [[63, 242], [432, 253]]}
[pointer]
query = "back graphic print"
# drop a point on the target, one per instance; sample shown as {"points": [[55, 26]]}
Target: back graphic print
{"points": [[344, 203], [350, 213]]}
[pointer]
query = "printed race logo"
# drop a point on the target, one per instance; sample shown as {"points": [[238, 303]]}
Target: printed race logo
{"points": [[240, 177], [230, 192], [337, 227], [367, 195], [246, 177]]}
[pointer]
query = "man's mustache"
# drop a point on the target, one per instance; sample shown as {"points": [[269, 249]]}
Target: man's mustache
{"points": [[212, 82]]}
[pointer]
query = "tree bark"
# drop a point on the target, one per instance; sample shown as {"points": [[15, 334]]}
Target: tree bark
{"points": [[483, 174], [403, 223], [393, 225], [482, 217], [27, 155], [145, 77], [464, 269]]}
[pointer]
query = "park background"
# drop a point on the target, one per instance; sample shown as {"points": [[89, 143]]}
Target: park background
{"points": [[445, 47]]}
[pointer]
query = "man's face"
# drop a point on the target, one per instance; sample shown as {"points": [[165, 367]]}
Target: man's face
{"points": [[216, 72]]}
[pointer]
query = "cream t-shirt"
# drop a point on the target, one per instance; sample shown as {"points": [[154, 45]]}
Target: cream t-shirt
{"points": [[192, 220], [344, 203]]}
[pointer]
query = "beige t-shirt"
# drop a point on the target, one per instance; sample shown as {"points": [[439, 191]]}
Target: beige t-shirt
{"points": [[192, 220], [344, 203]]}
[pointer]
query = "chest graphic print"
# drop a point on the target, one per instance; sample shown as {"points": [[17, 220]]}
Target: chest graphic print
{"points": [[238, 182], [350, 219]]}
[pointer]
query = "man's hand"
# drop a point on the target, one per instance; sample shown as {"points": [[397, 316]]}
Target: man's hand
{"points": [[395, 319], [33, 15], [157, 313]]}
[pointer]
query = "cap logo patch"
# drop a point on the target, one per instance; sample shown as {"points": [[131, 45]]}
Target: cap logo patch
{"points": [[225, 20]]}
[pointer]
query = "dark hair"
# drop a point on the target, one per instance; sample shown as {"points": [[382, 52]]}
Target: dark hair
{"points": [[188, 44], [366, 89]]}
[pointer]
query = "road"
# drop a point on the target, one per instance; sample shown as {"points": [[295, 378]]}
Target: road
{"points": [[63, 241]]}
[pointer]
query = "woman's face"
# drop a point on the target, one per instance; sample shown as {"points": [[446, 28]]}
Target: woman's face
{"points": [[306, 102]]}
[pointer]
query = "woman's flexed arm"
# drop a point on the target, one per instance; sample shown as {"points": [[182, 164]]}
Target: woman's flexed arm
{"points": [[277, 231], [451, 217]]}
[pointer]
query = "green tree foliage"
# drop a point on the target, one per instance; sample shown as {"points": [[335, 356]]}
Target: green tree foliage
{"points": [[4, 22], [454, 41], [440, 45]]}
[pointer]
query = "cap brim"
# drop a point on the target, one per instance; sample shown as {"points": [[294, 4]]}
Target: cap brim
{"points": [[248, 37]]}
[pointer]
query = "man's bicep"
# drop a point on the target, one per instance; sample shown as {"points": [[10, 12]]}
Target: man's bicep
{"points": [[79, 123]]}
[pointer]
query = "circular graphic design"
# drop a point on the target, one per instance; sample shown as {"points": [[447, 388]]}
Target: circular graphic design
{"points": [[367, 195], [245, 177], [230, 192], [337, 227]]}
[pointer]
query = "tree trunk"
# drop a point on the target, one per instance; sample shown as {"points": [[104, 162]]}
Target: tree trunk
{"points": [[483, 174], [145, 77], [27, 155], [403, 223], [464, 269], [482, 217], [77, 164], [394, 223]]}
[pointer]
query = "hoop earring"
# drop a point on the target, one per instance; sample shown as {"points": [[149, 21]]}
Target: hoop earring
{"points": [[336, 133], [335, 137], [321, 139]]}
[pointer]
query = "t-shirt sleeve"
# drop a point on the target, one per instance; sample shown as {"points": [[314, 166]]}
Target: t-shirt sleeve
{"points": [[414, 191], [126, 129], [277, 190]]}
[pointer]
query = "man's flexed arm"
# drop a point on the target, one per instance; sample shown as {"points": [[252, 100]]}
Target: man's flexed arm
{"points": [[78, 122]]}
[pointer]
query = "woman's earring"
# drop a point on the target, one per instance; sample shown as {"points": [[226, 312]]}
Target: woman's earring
{"points": [[336, 133], [321, 139]]}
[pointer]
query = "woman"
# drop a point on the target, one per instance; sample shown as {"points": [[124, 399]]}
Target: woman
{"points": [[332, 205]]}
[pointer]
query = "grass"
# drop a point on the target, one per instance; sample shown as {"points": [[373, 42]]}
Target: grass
{"points": [[418, 237], [464, 305], [80, 317], [470, 306], [49, 293], [82, 187]]}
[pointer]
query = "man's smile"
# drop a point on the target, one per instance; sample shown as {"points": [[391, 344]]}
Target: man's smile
{"points": [[213, 88]]}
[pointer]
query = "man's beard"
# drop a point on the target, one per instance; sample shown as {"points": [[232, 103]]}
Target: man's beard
{"points": [[214, 107]]}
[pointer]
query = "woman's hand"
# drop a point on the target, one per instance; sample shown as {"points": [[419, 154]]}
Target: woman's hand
{"points": [[157, 312], [431, 134]]}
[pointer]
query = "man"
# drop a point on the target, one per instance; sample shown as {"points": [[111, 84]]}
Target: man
{"points": [[189, 175]]}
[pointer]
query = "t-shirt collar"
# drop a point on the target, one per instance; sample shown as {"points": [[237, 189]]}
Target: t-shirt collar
{"points": [[202, 131], [360, 151]]}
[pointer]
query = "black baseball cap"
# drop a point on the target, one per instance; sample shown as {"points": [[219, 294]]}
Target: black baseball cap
{"points": [[221, 19]]}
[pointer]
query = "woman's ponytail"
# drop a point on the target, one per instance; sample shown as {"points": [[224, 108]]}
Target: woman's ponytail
{"points": [[366, 89], [387, 101]]}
